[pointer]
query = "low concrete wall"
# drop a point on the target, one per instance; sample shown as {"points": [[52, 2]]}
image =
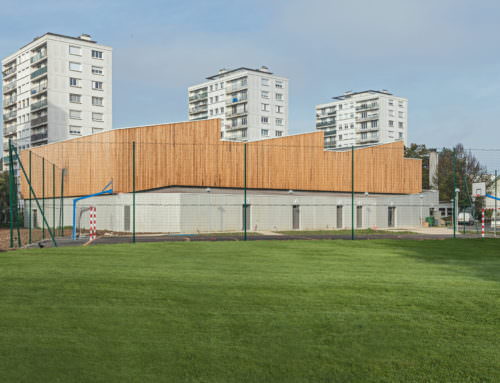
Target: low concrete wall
{"points": [[215, 212]]}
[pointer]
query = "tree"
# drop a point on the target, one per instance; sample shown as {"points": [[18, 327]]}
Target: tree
{"points": [[467, 171], [4, 198], [421, 152]]}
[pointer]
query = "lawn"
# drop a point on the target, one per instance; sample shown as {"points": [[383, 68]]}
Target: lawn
{"points": [[270, 311]]}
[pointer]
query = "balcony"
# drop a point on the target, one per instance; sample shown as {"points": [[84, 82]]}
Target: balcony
{"points": [[199, 117], [10, 116], [197, 97], [236, 100], [39, 72], [369, 117], [231, 128], [330, 132], [325, 123], [367, 140], [236, 113], [39, 105], [8, 72], [38, 57], [9, 102], [367, 129], [39, 89], [236, 87], [10, 87], [39, 121], [39, 137], [198, 109], [9, 130], [373, 105]]}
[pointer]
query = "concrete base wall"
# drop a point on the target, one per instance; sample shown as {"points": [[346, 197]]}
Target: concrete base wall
{"points": [[215, 212]]}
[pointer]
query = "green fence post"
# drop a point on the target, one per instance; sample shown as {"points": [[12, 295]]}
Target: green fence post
{"points": [[245, 191], [36, 199], [61, 213], [43, 196], [11, 194], [352, 192], [133, 191], [29, 204], [54, 198], [454, 160]]}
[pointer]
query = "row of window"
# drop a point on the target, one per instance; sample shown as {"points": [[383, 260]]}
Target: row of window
{"points": [[277, 96], [267, 82], [265, 133], [265, 120], [277, 108], [77, 83], [78, 67], [278, 84], [77, 51], [77, 130], [77, 99], [77, 115]]}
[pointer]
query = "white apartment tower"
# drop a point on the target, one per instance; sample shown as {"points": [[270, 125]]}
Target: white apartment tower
{"points": [[252, 103], [54, 88], [363, 118]]}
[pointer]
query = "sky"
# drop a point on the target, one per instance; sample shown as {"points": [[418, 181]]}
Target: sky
{"points": [[442, 55]]}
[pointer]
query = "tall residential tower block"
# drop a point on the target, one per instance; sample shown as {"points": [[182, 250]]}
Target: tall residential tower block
{"points": [[54, 88], [363, 118], [252, 103]]}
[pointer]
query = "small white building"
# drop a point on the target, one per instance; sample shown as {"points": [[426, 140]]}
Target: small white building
{"points": [[363, 118], [252, 103], [54, 88], [207, 210]]}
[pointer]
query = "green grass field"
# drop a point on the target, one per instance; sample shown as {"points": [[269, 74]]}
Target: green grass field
{"points": [[270, 311]]}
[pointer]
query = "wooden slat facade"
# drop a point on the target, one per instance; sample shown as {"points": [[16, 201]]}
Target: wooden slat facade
{"points": [[191, 154]]}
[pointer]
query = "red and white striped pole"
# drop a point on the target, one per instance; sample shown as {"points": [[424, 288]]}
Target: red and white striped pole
{"points": [[93, 224], [482, 224]]}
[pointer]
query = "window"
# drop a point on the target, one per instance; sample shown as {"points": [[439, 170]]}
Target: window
{"points": [[401, 114], [97, 116], [364, 136], [374, 123], [75, 114], [279, 109], [264, 132], [97, 70], [216, 98], [222, 109], [74, 50], [74, 82], [264, 119], [75, 66], [97, 101], [364, 125], [401, 104], [391, 113], [400, 134], [96, 54], [279, 84], [279, 96], [391, 102], [364, 114], [279, 121], [265, 94], [97, 85], [279, 133], [76, 130], [244, 133], [243, 121], [264, 81], [97, 130], [75, 98], [265, 107], [400, 125], [391, 123]]}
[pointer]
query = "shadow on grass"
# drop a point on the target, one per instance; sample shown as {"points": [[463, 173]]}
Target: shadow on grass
{"points": [[479, 256]]}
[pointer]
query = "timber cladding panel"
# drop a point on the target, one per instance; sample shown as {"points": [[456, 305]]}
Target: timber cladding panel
{"points": [[191, 154]]}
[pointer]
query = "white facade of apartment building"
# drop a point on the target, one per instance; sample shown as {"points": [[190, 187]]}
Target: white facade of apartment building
{"points": [[54, 88], [363, 118], [252, 103]]}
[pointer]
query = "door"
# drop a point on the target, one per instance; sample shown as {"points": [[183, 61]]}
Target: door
{"points": [[359, 216], [391, 216], [246, 217], [295, 217], [339, 217], [126, 218]]}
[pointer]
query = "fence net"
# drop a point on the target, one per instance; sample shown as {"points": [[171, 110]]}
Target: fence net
{"points": [[258, 190]]}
